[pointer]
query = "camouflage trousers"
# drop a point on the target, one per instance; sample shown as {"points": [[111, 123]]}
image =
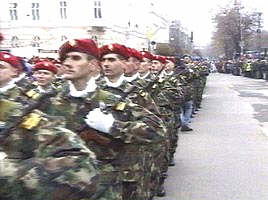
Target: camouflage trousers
{"points": [[156, 165]]}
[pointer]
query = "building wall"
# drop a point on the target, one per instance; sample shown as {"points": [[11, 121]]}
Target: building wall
{"points": [[122, 21]]}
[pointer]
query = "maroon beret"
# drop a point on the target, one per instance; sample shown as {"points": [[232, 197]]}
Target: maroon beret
{"points": [[171, 58], [114, 48], [147, 55], [12, 60], [1, 37], [160, 59], [87, 46], [46, 65], [135, 53], [38, 60]]}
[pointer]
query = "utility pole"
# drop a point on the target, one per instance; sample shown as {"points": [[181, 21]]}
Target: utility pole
{"points": [[241, 44], [259, 32]]}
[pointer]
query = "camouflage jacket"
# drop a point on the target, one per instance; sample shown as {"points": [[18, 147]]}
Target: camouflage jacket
{"points": [[187, 76], [133, 126], [134, 91], [41, 159], [167, 94]]}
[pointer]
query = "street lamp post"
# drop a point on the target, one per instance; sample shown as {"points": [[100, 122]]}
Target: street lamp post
{"points": [[259, 32], [242, 44]]}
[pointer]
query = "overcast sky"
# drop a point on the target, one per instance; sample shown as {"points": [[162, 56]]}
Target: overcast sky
{"points": [[196, 14]]}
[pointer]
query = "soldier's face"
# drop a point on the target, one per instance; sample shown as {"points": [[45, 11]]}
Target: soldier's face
{"points": [[169, 65], [7, 73], [112, 65], [44, 77], [77, 66], [156, 66], [187, 60], [145, 65], [133, 65], [60, 68]]}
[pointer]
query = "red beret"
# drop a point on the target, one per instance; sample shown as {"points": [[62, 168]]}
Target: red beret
{"points": [[172, 59], [1, 37], [114, 48], [12, 60], [87, 46], [45, 65], [135, 53], [160, 59], [147, 55], [38, 60]]}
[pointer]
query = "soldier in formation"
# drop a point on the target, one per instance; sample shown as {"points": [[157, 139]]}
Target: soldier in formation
{"points": [[107, 129]]}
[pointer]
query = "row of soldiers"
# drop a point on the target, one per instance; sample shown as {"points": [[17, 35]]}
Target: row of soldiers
{"points": [[103, 124]]}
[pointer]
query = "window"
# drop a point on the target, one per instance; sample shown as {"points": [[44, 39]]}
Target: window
{"points": [[95, 38], [15, 41], [97, 9], [13, 11], [63, 9], [36, 41], [63, 38], [35, 11]]}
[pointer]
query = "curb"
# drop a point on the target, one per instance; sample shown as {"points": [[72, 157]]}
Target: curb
{"points": [[264, 128]]}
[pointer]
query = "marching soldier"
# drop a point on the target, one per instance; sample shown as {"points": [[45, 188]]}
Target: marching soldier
{"points": [[114, 63], [169, 66], [44, 74], [110, 125], [133, 65], [166, 97], [40, 158], [145, 66], [187, 108]]}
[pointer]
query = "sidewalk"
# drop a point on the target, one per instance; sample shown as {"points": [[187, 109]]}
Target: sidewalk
{"points": [[226, 156]]}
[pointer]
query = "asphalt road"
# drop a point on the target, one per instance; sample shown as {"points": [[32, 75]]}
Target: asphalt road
{"points": [[226, 156]]}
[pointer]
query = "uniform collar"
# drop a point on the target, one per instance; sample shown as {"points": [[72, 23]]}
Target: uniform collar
{"points": [[132, 78], [11, 84], [117, 83], [168, 73], [91, 87], [143, 77], [40, 89], [96, 77]]}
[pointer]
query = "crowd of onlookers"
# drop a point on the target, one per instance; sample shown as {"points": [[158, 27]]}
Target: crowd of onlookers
{"points": [[248, 67]]}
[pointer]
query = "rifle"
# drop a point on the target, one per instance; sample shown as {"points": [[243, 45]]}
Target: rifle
{"points": [[18, 120], [89, 134]]}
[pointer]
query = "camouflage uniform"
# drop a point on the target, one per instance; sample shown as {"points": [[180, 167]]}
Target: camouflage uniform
{"points": [[203, 79], [137, 94], [175, 93], [42, 159], [196, 82], [117, 150], [164, 94], [186, 75]]}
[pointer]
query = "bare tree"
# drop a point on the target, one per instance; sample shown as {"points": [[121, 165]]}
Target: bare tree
{"points": [[234, 29]]}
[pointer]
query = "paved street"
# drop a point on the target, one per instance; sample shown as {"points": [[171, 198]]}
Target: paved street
{"points": [[226, 156]]}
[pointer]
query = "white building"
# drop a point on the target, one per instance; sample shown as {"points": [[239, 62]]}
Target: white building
{"points": [[39, 27]]}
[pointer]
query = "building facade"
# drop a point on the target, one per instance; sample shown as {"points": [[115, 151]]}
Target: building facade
{"points": [[39, 27]]}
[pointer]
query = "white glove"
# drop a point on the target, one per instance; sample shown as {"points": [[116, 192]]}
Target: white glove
{"points": [[2, 156], [99, 120]]}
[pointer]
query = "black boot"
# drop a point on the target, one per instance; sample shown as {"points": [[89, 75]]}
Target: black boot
{"points": [[186, 128], [171, 162], [161, 192]]}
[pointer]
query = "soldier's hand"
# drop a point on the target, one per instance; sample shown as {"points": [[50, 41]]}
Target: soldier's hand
{"points": [[100, 121]]}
